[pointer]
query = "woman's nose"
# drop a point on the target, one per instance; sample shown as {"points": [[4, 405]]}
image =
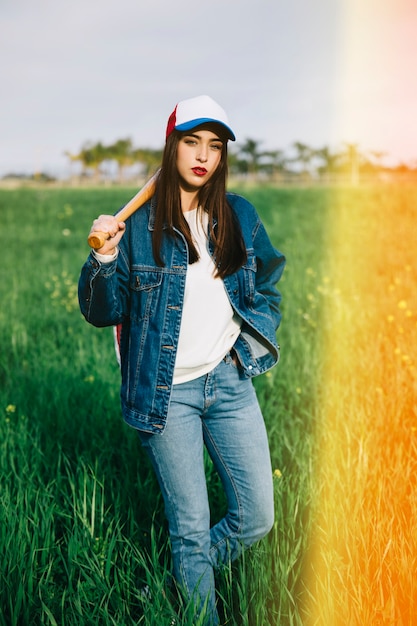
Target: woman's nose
{"points": [[202, 154]]}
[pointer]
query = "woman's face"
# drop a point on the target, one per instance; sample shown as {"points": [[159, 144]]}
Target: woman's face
{"points": [[198, 156]]}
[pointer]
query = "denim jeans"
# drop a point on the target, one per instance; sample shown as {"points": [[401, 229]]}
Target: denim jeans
{"points": [[220, 411]]}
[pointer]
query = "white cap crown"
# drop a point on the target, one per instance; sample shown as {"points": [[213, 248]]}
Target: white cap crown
{"points": [[196, 111]]}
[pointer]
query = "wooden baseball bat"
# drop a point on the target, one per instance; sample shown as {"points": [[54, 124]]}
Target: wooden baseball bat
{"points": [[97, 239]]}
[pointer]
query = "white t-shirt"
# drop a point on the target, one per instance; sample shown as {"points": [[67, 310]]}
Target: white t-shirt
{"points": [[209, 327]]}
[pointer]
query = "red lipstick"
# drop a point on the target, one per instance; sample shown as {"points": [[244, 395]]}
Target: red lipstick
{"points": [[199, 171]]}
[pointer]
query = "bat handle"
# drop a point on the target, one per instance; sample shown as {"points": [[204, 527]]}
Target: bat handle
{"points": [[97, 240]]}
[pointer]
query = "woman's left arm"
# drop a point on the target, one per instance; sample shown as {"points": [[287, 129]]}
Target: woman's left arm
{"points": [[270, 266]]}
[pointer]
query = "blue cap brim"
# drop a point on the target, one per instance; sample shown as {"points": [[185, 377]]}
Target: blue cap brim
{"points": [[205, 120]]}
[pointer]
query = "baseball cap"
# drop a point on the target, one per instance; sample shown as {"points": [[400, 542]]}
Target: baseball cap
{"points": [[196, 111]]}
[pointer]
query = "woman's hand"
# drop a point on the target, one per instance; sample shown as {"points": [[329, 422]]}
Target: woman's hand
{"points": [[109, 224]]}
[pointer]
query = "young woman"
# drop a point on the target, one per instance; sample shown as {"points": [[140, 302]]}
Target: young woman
{"points": [[191, 279]]}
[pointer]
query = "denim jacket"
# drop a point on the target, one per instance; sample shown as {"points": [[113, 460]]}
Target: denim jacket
{"points": [[147, 301]]}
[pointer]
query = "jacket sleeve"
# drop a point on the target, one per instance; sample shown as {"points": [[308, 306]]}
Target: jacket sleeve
{"points": [[270, 266], [103, 291]]}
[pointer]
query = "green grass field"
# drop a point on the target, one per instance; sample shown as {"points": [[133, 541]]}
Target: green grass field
{"points": [[82, 528]]}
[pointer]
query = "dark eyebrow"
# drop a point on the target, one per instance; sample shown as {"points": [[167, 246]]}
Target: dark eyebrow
{"points": [[197, 136]]}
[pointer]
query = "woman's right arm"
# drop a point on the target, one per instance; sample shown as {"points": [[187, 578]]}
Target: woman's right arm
{"points": [[103, 284], [115, 229]]}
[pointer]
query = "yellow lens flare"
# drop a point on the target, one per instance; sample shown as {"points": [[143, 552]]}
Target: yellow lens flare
{"points": [[362, 564]]}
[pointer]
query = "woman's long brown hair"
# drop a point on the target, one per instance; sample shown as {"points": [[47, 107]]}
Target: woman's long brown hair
{"points": [[224, 228]]}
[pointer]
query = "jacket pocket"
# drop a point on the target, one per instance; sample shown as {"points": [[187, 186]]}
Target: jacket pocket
{"points": [[145, 288]]}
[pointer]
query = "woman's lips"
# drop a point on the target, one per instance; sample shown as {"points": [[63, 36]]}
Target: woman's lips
{"points": [[199, 171]]}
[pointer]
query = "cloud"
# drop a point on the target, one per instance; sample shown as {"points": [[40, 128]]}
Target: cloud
{"points": [[291, 70]]}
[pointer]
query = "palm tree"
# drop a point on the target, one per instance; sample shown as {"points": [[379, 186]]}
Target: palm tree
{"points": [[378, 155], [273, 163], [149, 158], [304, 156], [121, 151], [251, 156], [91, 157], [73, 158], [352, 156], [329, 160]]}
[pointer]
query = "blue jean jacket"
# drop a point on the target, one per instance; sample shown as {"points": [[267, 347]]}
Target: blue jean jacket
{"points": [[147, 300]]}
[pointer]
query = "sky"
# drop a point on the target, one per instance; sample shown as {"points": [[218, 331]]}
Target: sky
{"points": [[321, 72]]}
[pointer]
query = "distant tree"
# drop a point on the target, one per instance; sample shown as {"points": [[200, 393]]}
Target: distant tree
{"points": [[249, 156], [378, 155], [232, 158], [272, 162], [404, 168], [352, 161], [121, 151], [73, 158], [43, 177], [91, 156], [329, 161], [149, 158], [246, 159], [304, 155]]}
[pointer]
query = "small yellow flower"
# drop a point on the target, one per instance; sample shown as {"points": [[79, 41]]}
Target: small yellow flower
{"points": [[298, 390], [11, 408], [277, 473], [89, 379]]}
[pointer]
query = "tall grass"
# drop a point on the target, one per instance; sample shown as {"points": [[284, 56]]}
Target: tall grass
{"points": [[82, 529], [363, 552]]}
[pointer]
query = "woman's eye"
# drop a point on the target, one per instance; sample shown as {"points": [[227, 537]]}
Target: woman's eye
{"points": [[217, 146]]}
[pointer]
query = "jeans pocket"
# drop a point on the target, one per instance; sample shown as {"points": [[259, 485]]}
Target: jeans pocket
{"points": [[231, 359]]}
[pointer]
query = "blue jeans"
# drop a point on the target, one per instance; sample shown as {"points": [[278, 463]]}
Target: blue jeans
{"points": [[219, 410]]}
